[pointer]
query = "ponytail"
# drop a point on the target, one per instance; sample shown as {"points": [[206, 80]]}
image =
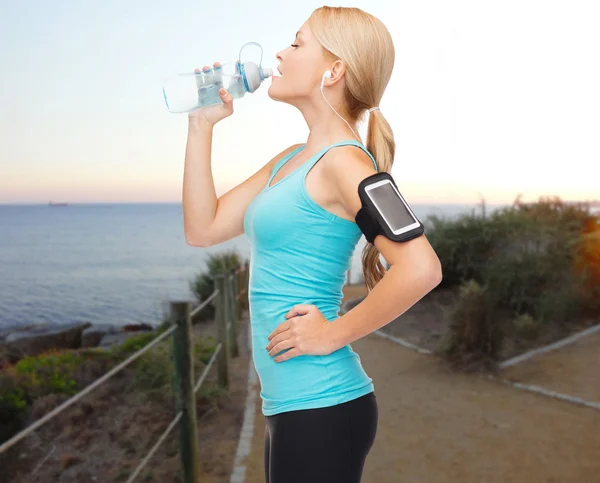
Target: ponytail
{"points": [[381, 144]]}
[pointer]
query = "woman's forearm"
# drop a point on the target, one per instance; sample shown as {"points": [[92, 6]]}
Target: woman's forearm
{"points": [[400, 288], [199, 197]]}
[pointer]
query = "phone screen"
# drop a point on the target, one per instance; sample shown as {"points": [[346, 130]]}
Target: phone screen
{"points": [[392, 207]]}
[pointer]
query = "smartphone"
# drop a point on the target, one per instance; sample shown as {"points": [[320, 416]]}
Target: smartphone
{"points": [[393, 208]]}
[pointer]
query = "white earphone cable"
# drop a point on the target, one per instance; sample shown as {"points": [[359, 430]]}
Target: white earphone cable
{"points": [[323, 94]]}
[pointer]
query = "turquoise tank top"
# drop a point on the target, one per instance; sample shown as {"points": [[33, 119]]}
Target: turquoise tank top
{"points": [[300, 254]]}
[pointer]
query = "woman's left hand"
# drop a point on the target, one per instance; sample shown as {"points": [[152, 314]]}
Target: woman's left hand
{"points": [[309, 333]]}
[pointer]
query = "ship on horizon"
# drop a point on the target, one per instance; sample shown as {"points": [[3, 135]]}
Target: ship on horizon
{"points": [[58, 203]]}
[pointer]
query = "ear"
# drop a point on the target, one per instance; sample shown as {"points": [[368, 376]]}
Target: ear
{"points": [[337, 71]]}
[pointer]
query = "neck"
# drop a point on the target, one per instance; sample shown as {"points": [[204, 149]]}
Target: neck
{"points": [[325, 125]]}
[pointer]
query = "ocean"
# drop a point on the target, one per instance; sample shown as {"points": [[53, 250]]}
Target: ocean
{"points": [[109, 263]]}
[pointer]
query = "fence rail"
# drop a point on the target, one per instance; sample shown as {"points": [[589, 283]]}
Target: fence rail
{"points": [[230, 295]]}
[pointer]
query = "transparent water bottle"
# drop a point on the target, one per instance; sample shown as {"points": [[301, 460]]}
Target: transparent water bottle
{"points": [[193, 90]]}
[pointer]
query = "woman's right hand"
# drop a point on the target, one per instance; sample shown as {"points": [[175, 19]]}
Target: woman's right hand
{"points": [[215, 113]]}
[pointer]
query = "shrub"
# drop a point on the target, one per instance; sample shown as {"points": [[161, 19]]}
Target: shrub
{"points": [[12, 398], [532, 257], [154, 375], [50, 372], [526, 326], [474, 337], [133, 344], [463, 246], [204, 349], [153, 369], [204, 285], [13, 406]]}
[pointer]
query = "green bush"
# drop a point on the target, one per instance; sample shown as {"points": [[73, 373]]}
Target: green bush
{"points": [[153, 369], [67, 372], [528, 264], [204, 349], [133, 344], [12, 398], [524, 255], [474, 337], [13, 406], [50, 372], [213, 394], [204, 285], [463, 246], [154, 375], [527, 326]]}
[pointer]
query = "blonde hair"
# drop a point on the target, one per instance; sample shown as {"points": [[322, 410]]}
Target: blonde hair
{"points": [[365, 45]]}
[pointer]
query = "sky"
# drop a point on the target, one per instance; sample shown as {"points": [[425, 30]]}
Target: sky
{"points": [[487, 99]]}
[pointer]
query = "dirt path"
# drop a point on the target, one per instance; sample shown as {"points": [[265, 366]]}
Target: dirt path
{"points": [[573, 369], [438, 426]]}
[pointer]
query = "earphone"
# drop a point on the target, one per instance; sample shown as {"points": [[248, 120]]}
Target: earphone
{"points": [[327, 75]]}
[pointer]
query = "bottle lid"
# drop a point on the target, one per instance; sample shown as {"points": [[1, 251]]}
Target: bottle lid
{"points": [[267, 72], [254, 75]]}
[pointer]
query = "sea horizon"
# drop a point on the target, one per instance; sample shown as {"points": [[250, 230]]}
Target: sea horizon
{"points": [[113, 263]]}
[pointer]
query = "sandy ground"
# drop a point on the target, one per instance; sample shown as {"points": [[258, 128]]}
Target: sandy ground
{"points": [[573, 369], [436, 425]]}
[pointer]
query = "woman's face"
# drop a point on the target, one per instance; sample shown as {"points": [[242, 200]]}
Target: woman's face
{"points": [[302, 66]]}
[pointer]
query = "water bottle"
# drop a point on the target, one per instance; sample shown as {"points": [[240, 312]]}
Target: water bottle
{"points": [[193, 90]]}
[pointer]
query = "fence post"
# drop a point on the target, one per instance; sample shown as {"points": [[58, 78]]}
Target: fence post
{"points": [[221, 321], [186, 402], [233, 304]]}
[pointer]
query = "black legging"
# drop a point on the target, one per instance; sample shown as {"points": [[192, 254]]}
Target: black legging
{"points": [[321, 445]]}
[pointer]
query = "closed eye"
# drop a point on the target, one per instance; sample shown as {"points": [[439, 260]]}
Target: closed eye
{"points": [[295, 45]]}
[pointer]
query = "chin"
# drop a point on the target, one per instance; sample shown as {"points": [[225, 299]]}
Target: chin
{"points": [[275, 93]]}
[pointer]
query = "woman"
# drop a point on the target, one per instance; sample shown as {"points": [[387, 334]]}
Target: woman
{"points": [[319, 404]]}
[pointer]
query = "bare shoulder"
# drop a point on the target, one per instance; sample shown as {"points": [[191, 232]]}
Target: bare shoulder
{"points": [[346, 167], [346, 159], [282, 155]]}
